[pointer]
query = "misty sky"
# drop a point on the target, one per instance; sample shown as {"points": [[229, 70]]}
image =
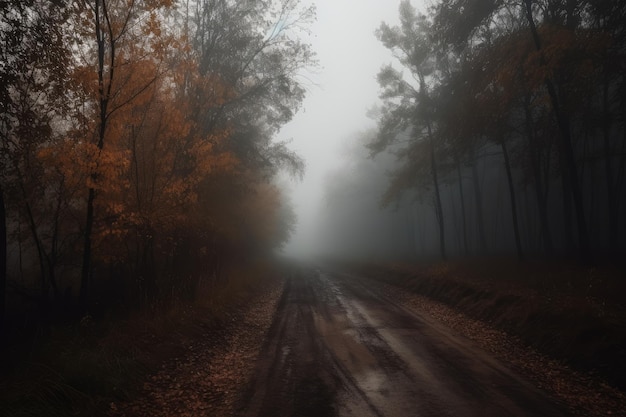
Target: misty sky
{"points": [[350, 56]]}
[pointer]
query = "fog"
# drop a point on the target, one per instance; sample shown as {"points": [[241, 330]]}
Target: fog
{"points": [[556, 190], [340, 93]]}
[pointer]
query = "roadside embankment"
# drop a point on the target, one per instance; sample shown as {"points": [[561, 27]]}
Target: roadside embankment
{"points": [[559, 323]]}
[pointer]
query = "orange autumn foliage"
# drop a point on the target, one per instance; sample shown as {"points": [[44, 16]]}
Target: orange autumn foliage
{"points": [[144, 163]]}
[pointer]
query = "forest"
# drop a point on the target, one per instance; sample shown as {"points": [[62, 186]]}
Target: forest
{"points": [[138, 145], [500, 130], [145, 208]]}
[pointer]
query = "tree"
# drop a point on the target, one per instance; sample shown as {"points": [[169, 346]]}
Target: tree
{"points": [[32, 86], [3, 259], [130, 145], [607, 20], [252, 64], [410, 107], [123, 32], [563, 122], [557, 71]]}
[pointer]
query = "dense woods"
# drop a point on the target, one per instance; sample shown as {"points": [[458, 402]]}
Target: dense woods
{"points": [[144, 207], [137, 144], [502, 130]]}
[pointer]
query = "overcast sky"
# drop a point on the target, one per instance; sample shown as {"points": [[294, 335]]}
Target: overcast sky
{"points": [[350, 56]]}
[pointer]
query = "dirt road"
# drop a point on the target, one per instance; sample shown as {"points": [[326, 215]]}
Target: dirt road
{"points": [[337, 347]]}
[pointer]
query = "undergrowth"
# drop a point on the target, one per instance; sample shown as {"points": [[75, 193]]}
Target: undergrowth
{"points": [[79, 368]]}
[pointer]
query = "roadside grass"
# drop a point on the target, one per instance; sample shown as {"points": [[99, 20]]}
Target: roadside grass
{"points": [[79, 369], [574, 314]]}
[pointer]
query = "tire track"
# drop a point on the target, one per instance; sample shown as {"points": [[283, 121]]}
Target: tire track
{"points": [[337, 347]]}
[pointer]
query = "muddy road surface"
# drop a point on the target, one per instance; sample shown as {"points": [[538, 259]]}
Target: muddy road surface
{"points": [[338, 347]]}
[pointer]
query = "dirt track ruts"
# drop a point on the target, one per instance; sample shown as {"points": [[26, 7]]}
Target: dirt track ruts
{"points": [[336, 347]]}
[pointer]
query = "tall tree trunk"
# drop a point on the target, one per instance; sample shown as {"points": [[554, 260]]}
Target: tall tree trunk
{"points": [[509, 176], [434, 173], [3, 261], [104, 93], [462, 196], [148, 267], [438, 206], [541, 195], [20, 260], [85, 276], [611, 192], [479, 207], [567, 208], [410, 227], [53, 256], [619, 180], [41, 254], [566, 144]]}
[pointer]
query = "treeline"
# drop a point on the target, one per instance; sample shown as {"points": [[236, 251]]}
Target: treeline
{"points": [[508, 120], [137, 146]]}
